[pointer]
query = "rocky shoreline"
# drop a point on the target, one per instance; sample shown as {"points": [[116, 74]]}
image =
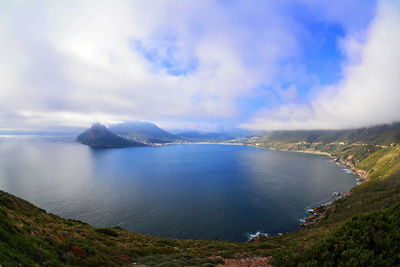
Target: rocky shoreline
{"points": [[319, 212], [316, 214], [363, 176]]}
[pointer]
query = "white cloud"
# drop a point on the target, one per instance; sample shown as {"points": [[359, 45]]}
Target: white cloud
{"points": [[75, 62], [368, 94], [71, 62]]}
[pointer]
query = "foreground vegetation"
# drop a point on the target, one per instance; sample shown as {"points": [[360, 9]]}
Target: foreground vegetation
{"points": [[29, 236], [365, 240], [359, 229], [350, 221]]}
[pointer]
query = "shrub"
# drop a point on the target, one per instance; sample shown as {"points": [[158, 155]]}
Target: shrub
{"points": [[107, 231]]}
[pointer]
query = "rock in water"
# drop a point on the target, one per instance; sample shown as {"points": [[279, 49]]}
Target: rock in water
{"points": [[99, 136]]}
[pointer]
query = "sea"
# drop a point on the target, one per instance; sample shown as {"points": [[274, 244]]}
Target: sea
{"points": [[186, 191]]}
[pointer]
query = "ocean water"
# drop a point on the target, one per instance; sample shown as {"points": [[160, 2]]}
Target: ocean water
{"points": [[182, 191]]}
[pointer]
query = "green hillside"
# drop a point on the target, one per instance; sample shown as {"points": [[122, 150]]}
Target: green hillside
{"points": [[365, 240]]}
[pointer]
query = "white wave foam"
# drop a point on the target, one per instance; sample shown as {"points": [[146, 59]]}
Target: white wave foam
{"points": [[252, 236]]}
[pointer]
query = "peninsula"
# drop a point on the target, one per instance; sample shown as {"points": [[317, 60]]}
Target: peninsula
{"points": [[99, 136]]}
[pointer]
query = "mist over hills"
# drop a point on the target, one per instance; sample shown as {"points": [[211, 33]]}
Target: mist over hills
{"points": [[141, 133], [198, 136], [214, 136], [146, 132], [375, 135]]}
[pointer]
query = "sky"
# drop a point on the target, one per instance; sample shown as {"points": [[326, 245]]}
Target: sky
{"points": [[207, 65]]}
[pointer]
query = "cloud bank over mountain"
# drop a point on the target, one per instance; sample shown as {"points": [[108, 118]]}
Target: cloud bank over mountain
{"points": [[369, 92], [262, 65]]}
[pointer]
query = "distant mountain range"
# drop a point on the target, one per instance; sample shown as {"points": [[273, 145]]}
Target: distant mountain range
{"points": [[147, 133], [99, 136], [144, 132], [198, 136]]}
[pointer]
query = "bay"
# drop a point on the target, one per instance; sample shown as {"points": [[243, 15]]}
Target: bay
{"points": [[187, 191]]}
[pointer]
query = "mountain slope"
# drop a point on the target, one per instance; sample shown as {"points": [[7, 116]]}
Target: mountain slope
{"points": [[99, 136], [143, 132]]}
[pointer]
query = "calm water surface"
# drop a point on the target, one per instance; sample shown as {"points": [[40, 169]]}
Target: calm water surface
{"points": [[181, 191]]}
